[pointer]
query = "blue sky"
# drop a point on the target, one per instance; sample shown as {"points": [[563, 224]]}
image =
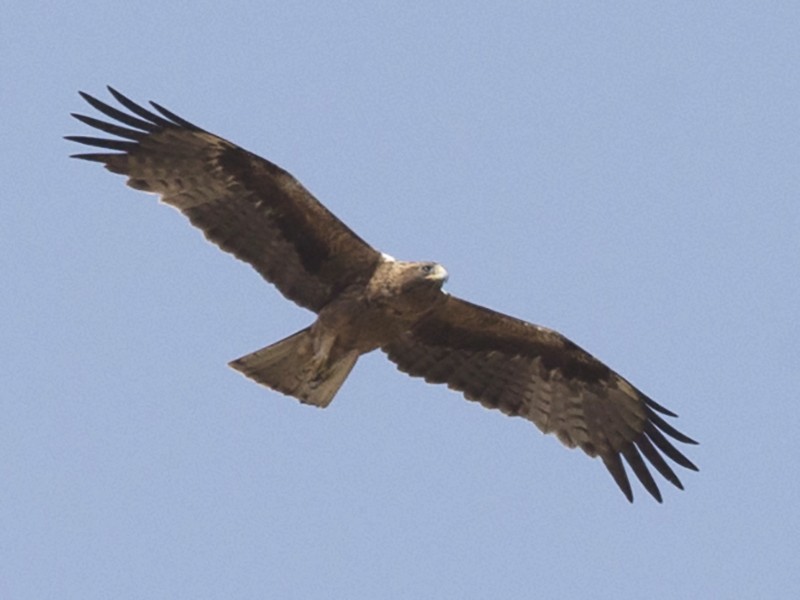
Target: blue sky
{"points": [[626, 174]]}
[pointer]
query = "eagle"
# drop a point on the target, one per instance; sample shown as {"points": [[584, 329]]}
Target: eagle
{"points": [[366, 300]]}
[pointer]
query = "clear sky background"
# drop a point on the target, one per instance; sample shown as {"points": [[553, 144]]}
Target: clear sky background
{"points": [[627, 174]]}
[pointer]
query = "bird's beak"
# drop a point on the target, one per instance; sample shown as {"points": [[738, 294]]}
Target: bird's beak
{"points": [[439, 273]]}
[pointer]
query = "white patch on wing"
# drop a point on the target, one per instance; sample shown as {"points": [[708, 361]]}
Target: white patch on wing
{"points": [[388, 257]]}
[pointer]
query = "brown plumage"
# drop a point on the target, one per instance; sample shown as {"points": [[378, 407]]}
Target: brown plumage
{"points": [[365, 300]]}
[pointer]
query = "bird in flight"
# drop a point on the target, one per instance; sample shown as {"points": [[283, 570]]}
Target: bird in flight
{"points": [[366, 300]]}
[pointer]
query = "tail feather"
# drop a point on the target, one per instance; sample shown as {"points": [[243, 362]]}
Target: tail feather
{"points": [[290, 367]]}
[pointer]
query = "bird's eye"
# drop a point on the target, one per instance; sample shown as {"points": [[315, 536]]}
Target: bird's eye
{"points": [[427, 269]]}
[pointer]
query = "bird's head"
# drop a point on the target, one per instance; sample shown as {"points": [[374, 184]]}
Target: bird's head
{"points": [[406, 279], [432, 271], [425, 273], [420, 280]]}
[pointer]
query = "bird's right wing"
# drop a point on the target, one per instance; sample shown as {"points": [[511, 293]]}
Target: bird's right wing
{"points": [[244, 204]]}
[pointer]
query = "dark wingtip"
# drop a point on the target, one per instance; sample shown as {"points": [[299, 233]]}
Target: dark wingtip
{"points": [[645, 451], [627, 491], [656, 406], [656, 419], [173, 117], [691, 466], [655, 493], [101, 158], [118, 96], [651, 454], [122, 145], [140, 111], [639, 468], [614, 465]]}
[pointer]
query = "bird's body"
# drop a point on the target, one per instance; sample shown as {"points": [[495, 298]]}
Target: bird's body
{"points": [[313, 363], [366, 300]]}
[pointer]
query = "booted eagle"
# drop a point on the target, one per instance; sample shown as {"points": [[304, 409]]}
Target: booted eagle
{"points": [[366, 300]]}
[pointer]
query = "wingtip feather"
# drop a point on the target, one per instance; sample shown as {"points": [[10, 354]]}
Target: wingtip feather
{"points": [[641, 471], [659, 422], [173, 117], [658, 407], [614, 466]]}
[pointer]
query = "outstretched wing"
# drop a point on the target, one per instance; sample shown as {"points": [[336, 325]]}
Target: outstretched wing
{"points": [[536, 373], [244, 204]]}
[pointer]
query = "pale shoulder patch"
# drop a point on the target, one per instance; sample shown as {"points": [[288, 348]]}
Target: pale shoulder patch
{"points": [[387, 257]]}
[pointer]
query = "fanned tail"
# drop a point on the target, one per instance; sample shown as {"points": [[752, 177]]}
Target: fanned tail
{"points": [[291, 367]]}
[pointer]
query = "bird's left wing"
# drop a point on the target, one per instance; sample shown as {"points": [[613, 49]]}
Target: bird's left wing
{"points": [[244, 204], [536, 373]]}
